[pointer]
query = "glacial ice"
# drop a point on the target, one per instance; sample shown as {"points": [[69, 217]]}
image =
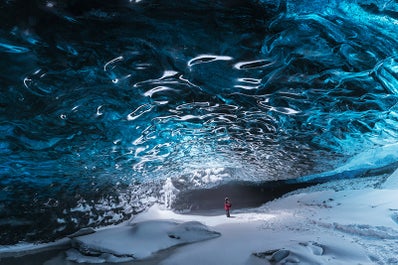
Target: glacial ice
{"points": [[103, 102]]}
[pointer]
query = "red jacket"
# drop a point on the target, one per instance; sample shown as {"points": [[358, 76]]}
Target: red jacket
{"points": [[227, 206]]}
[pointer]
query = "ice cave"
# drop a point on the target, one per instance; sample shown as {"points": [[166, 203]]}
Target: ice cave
{"points": [[122, 110]]}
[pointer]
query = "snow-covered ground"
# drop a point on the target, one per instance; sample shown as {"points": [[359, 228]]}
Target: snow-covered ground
{"points": [[341, 222]]}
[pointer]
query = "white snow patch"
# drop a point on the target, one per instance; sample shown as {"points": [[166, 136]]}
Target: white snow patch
{"points": [[137, 241], [392, 181]]}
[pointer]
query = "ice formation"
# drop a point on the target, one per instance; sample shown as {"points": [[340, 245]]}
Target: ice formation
{"points": [[105, 103]]}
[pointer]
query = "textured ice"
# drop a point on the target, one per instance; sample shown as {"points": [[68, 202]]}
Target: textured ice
{"points": [[103, 101]]}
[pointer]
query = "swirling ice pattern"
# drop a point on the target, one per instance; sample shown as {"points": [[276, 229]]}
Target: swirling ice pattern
{"points": [[101, 97]]}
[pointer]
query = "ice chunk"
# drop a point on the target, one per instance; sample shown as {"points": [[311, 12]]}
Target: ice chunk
{"points": [[137, 241]]}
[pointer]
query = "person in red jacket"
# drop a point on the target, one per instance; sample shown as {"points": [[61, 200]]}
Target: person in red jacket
{"points": [[227, 206]]}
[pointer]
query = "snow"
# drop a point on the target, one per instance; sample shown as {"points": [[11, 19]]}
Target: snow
{"points": [[138, 240], [392, 181], [345, 222]]}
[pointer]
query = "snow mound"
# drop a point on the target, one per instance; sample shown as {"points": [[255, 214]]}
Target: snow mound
{"points": [[308, 253], [190, 232], [392, 181], [136, 241]]}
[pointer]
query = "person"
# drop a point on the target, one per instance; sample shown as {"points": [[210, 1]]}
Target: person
{"points": [[227, 206]]}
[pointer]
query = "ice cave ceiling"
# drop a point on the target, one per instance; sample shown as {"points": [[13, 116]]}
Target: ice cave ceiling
{"points": [[100, 97]]}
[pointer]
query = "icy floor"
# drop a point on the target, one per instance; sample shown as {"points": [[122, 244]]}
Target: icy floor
{"points": [[345, 222]]}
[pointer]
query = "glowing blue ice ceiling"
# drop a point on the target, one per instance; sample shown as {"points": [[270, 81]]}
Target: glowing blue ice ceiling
{"points": [[101, 100]]}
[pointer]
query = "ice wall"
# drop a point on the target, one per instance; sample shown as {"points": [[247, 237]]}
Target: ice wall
{"points": [[102, 101]]}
